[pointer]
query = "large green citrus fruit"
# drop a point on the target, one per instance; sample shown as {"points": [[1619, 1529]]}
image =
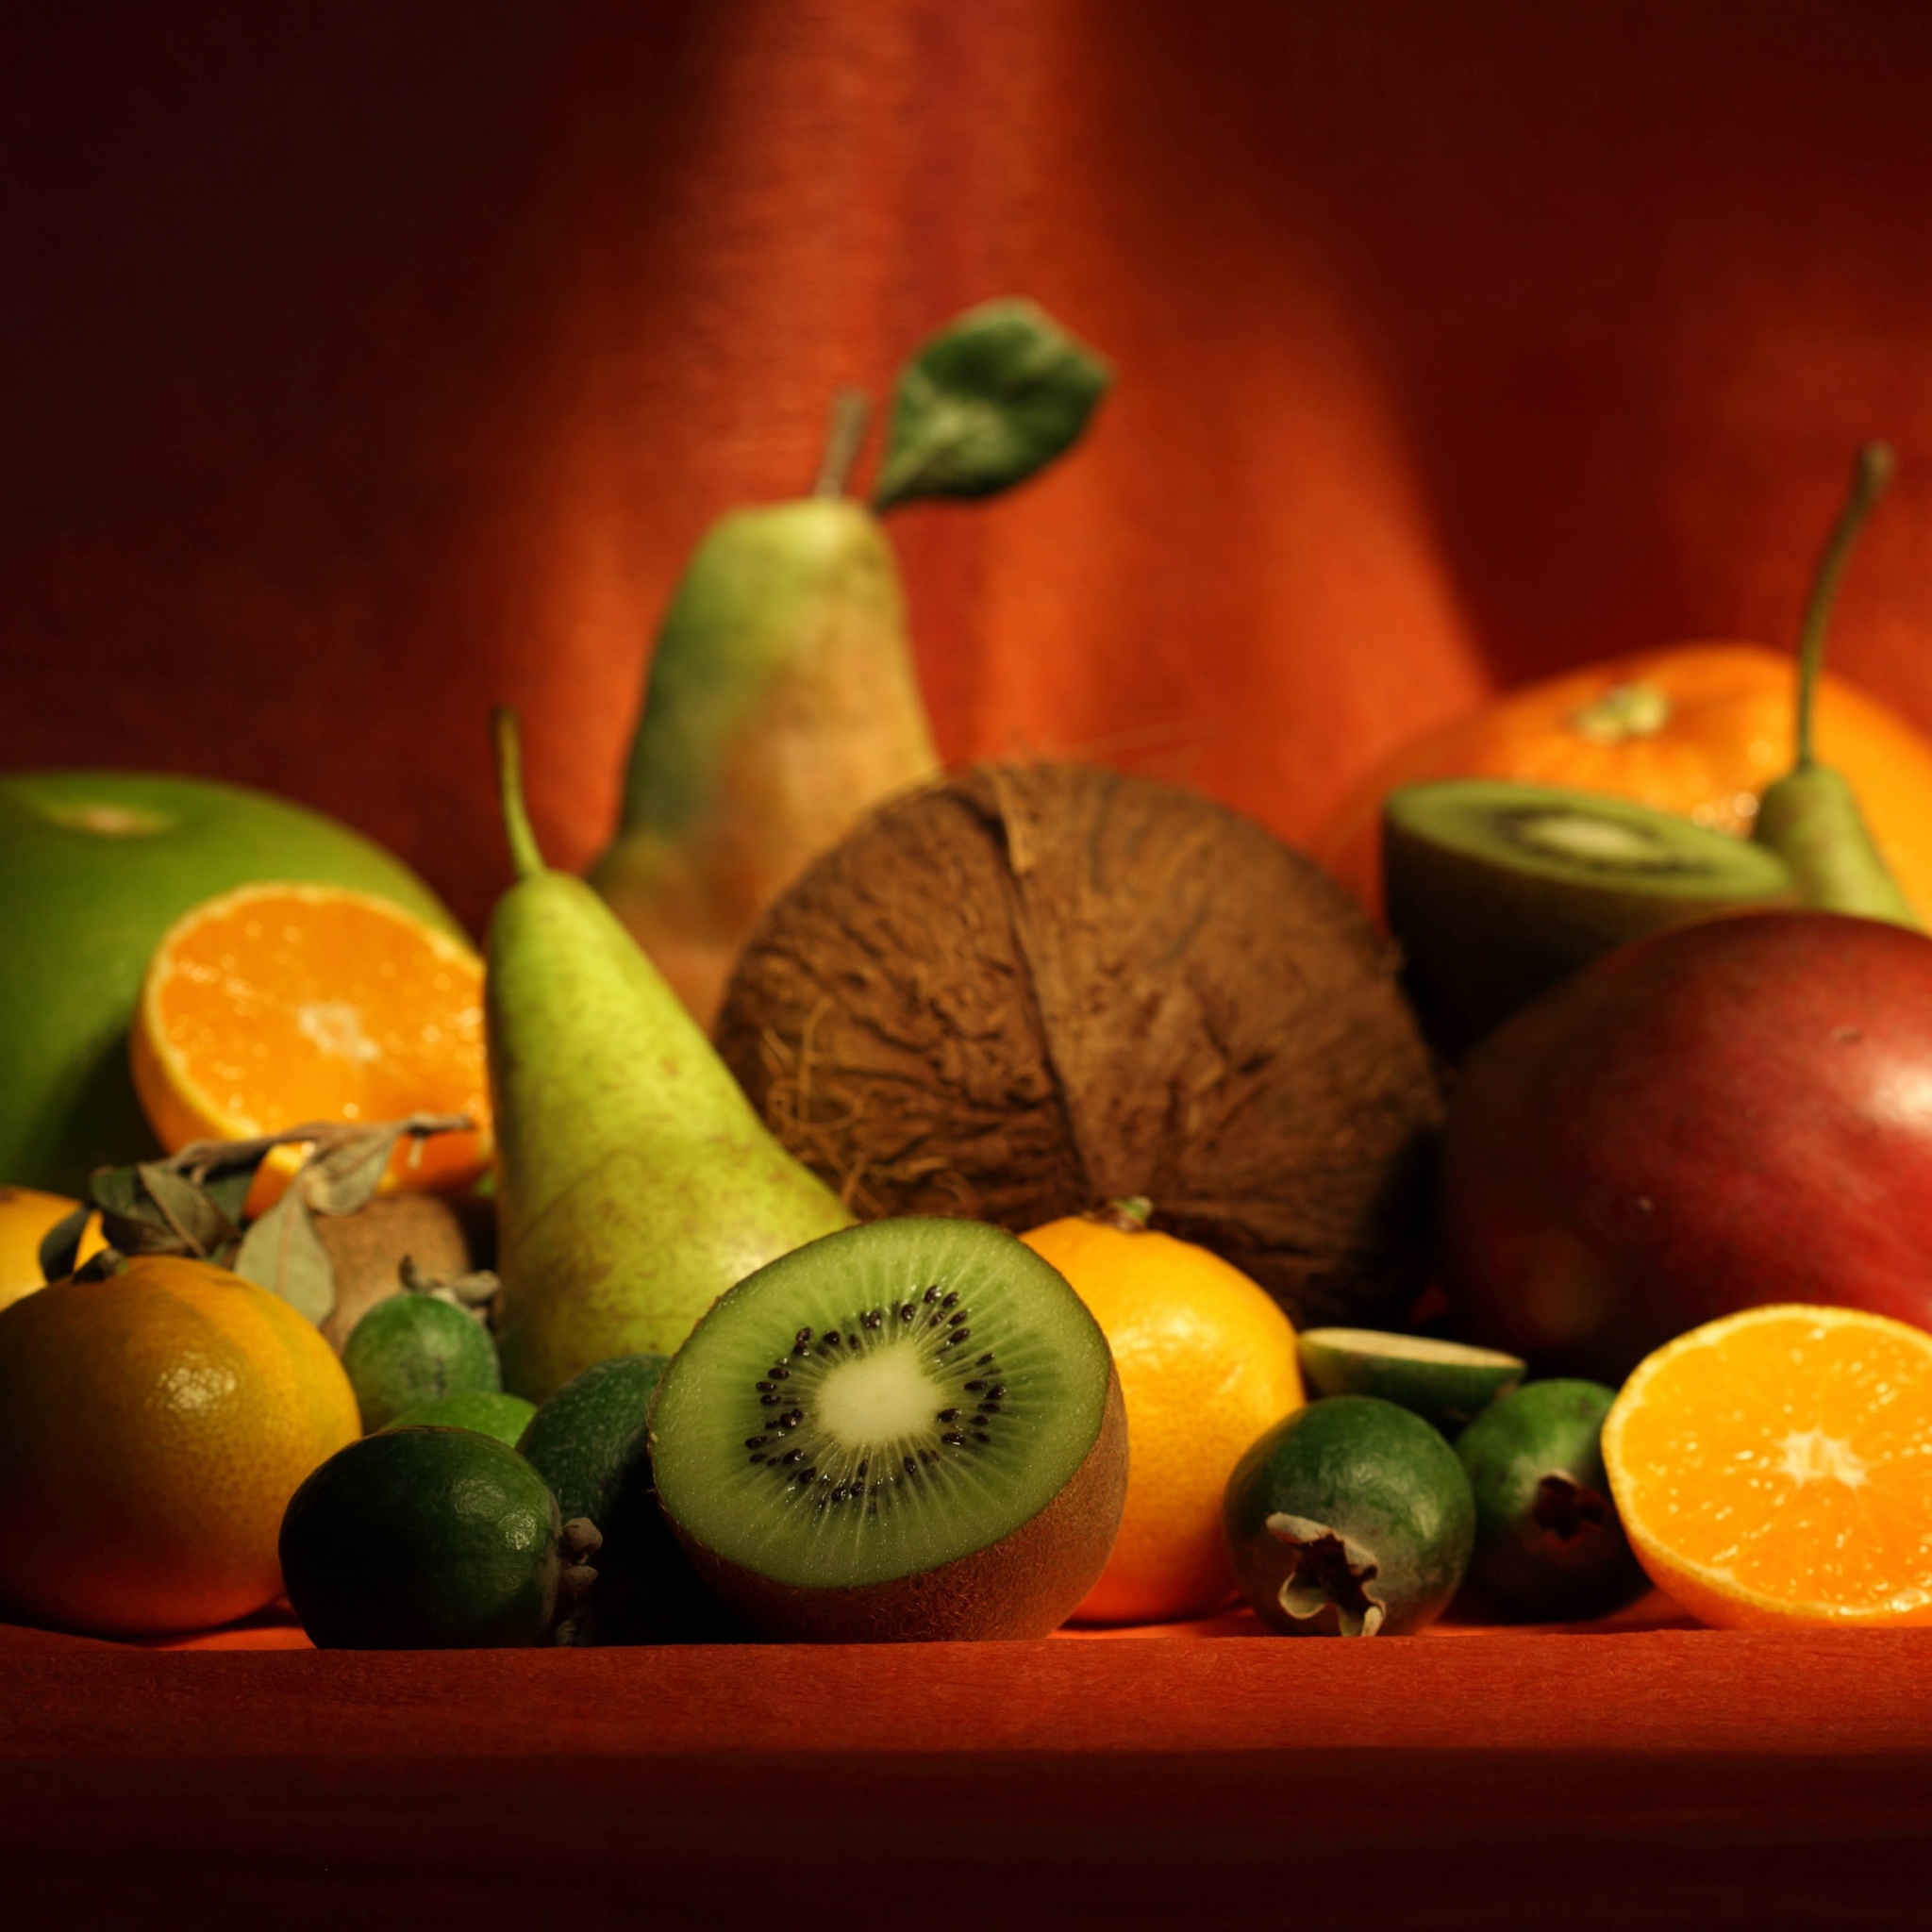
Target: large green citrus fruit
{"points": [[94, 866]]}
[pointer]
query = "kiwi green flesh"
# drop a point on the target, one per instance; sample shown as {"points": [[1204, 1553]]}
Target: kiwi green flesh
{"points": [[1026, 1585], [885, 1402], [1446, 1383], [1496, 890]]}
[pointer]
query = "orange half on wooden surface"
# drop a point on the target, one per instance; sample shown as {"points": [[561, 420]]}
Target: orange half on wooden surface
{"points": [[280, 1004], [1774, 1468]]}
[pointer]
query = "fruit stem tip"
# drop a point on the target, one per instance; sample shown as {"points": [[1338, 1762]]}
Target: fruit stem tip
{"points": [[844, 439], [1870, 473], [525, 855]]}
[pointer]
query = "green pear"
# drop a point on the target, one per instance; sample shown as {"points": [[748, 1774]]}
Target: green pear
{"points": [[1810, 817], [635, 1184], [782, 706]]}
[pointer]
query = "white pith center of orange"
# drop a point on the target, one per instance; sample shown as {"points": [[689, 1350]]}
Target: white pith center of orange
{"points": [[335, 1028], [1812, 1457]]}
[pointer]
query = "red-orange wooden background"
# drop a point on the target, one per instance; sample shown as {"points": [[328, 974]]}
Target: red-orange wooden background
{"points": [[361, 364]]}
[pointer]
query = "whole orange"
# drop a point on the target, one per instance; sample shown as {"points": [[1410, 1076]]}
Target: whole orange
{"points": [[1206, 1362], [1698, 729], [152, 1426]]}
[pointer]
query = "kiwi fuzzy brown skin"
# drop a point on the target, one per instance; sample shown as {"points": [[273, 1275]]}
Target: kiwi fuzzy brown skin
{"points": [[1026, 1584], [444, 1238], [1037, 986]]}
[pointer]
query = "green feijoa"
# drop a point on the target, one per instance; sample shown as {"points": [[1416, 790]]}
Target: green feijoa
{"points": [[426, 1539], [589, 1438], [1351, 1517], [1445, 1383], [1549, 1545], [488, 1411], [415, 1348], [591, 1444]]}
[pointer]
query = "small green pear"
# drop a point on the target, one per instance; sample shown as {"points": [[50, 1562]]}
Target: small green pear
{"points": [[783, 706], [1810, 817], [635, 1184]]}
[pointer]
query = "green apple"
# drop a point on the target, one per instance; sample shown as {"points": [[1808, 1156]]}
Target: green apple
{"points": [[95, 867]]}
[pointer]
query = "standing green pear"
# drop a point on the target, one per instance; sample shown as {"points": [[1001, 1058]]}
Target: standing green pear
{"points": [[635, 1184], [781, 704], [1810, 818]]}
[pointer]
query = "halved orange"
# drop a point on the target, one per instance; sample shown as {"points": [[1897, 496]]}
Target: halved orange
{"points": [[275, 1005], [1774, 1468]]}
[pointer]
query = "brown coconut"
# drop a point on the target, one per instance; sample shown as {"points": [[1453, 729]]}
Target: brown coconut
{"points": [[1039, 986]]}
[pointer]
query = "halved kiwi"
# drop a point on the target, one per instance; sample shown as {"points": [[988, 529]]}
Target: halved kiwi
{"points": [[911, 1429], [1496, 890]]}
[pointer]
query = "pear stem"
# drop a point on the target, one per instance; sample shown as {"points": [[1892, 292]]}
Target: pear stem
{"points": [[524, 852], [845, 437], [1870, 473]]}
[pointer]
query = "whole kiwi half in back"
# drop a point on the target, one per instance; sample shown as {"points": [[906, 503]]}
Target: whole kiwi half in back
{"points": [[911, 1429], [1496, 890]]}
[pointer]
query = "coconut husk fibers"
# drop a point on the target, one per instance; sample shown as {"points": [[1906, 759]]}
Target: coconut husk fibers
{"points": [[1038, 987]]}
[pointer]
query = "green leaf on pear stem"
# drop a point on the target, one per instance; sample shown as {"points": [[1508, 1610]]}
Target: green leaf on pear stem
{"points": [[996, 395]]}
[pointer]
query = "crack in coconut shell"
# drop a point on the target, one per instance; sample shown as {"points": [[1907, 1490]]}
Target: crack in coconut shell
{"points": [[1035, 987]]}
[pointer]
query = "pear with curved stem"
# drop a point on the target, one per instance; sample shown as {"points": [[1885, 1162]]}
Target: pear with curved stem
{"points": [[635, 1184], [1810, 817]]}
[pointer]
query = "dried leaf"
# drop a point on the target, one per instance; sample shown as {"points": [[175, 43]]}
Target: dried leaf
{"points": [[61, 1244], [470, 1292], [997, 394], [203, 1229], [282, 1252], [348, 1163], [131, 1220]]}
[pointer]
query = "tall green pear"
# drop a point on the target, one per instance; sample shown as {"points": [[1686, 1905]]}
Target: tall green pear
{"points": [[635, 1184], [1810, 818], [783, 706]]}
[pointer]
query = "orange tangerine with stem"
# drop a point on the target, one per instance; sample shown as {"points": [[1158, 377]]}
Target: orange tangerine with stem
{"points": [[1206, 1362]]}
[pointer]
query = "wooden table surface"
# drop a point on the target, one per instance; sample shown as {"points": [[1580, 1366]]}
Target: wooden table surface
{"points": [[1633, 1776]]}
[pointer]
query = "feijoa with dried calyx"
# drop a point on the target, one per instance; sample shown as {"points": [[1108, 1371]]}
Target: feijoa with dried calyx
{"points": [[911, 1429], [1549, 1545], [1350, 1518], [430, 1538], [590, 1442], [488, 1411], [1446, 1383], [416, 1347]]}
